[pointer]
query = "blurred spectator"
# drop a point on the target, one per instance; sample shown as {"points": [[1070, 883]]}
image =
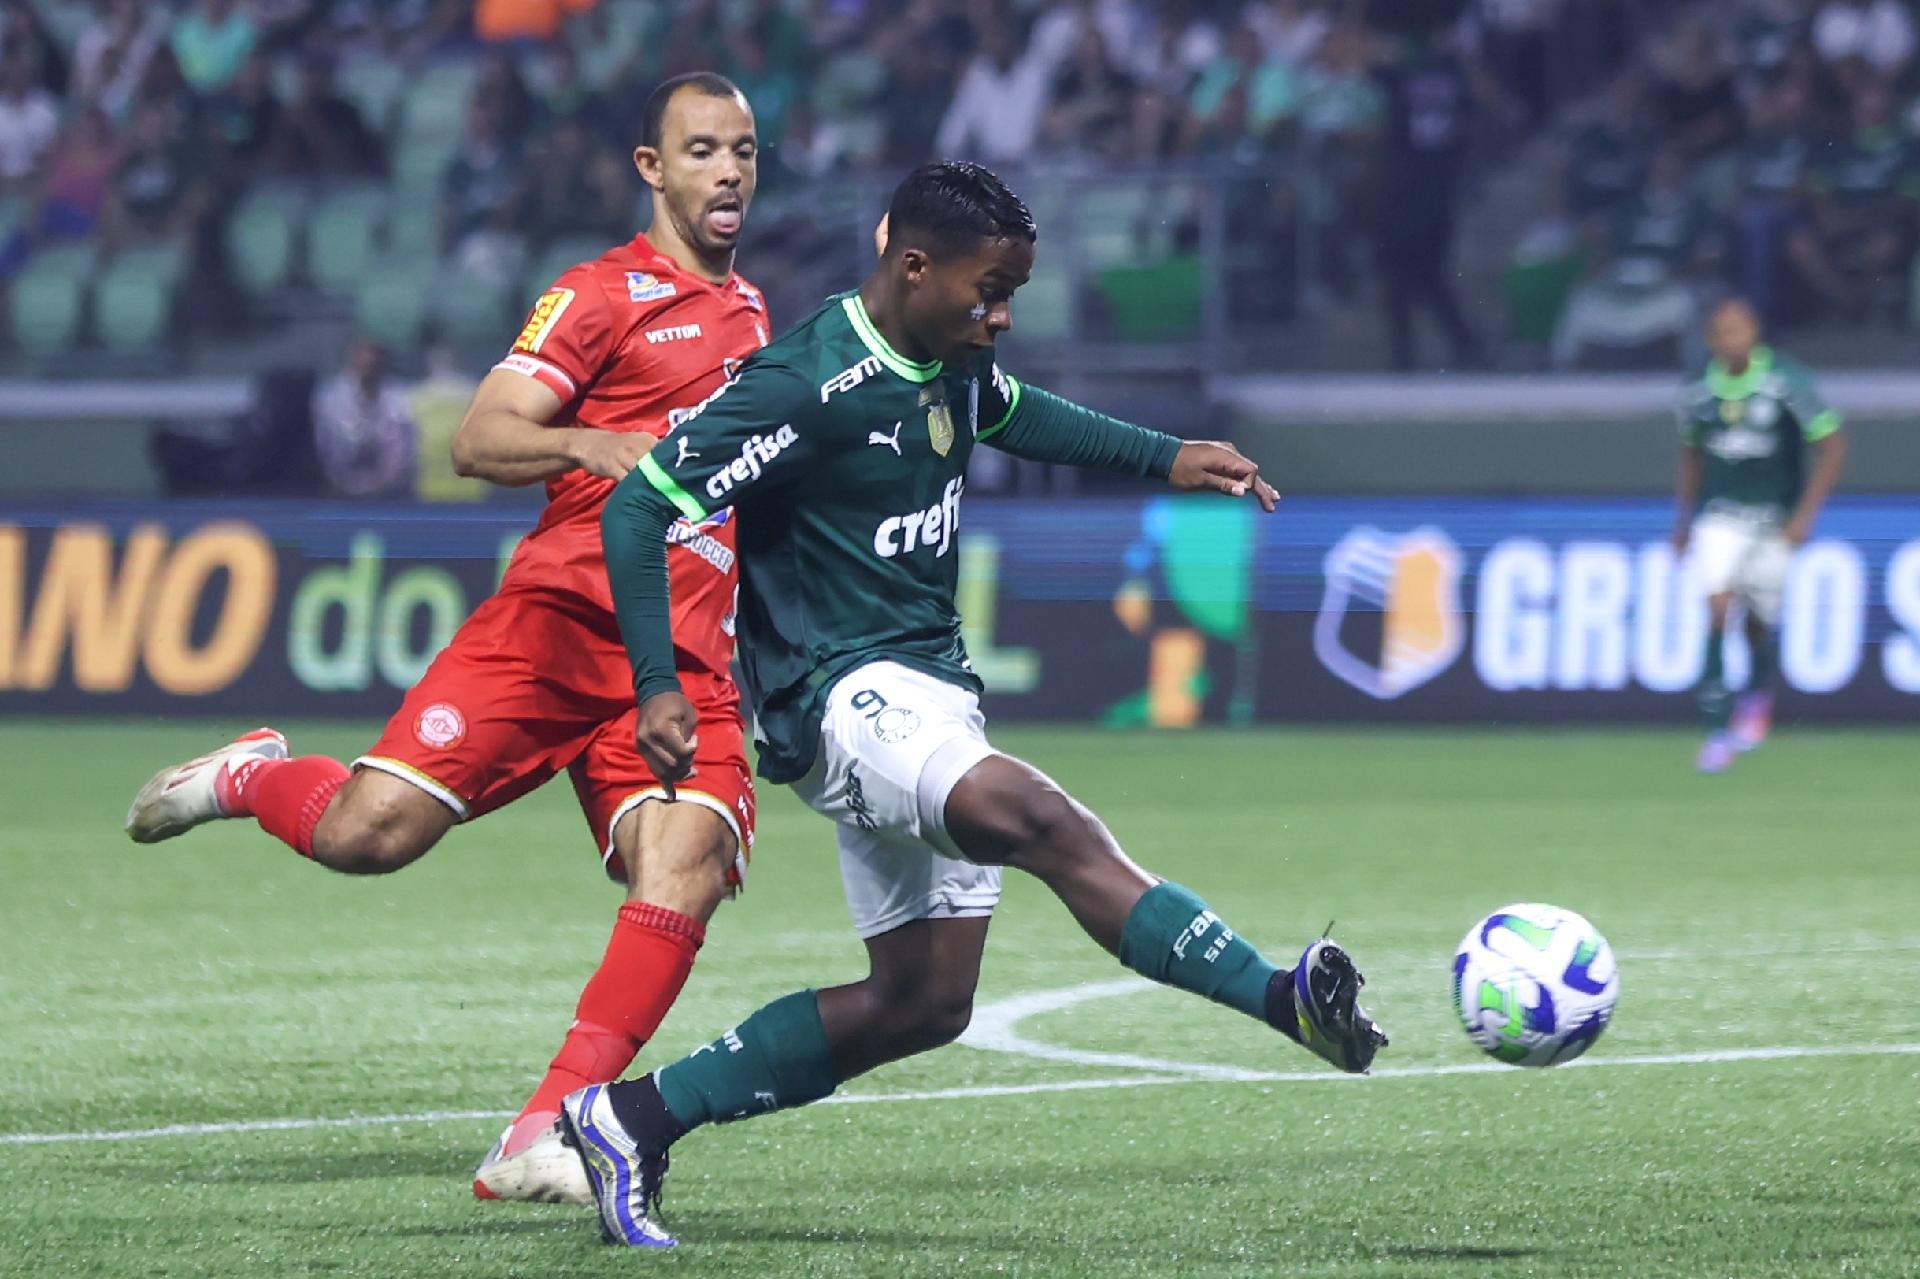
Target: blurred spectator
{"points": [[1608, 154], [1514, 35], [1666, 229], [112, 52], [503, 20], [1089, 106], [29, 120], [211, 41], [996, 110], [1290, 30], [771, 87], [1854, 250], [73, 194], [158, 192], [1429, 103], [1341, 111], [1694, 95], [321, 134], [363, 429], [26, 34], [243, 120], [479, 193], [565, 95], [1767, 33], [1061, 30], [1771, 198], [502, 87], [1879, 32], [573, 187], [1244, 94]]}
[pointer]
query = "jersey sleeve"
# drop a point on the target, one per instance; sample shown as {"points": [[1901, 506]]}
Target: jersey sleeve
{"points": [[567, 337], [1042, 427], [755, 437], [1817, 420], [1686, 415]]}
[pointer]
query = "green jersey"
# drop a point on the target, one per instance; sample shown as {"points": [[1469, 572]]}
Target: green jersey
{"points": [[1750, 429], [845, 463]]}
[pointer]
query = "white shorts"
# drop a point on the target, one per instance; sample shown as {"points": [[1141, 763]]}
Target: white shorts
{"points": [[893, 744], [1740, 556]]}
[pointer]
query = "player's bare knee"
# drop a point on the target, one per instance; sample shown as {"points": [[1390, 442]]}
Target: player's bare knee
{"points": [[678, 858], [370, 838], [1045, 829]]}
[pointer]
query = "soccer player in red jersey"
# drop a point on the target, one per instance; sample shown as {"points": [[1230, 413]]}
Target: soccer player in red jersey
{"points": [[615, 355]]}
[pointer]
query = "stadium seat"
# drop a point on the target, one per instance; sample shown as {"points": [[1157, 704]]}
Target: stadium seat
{"points": [[1043, 311], [374, 85], [413, 227], [261, 236], [435, 105], [392, 300], [1156, 301], [550, 261], [420, 163], [45, 303], [477, 313], [133, 299], [342, 235]]}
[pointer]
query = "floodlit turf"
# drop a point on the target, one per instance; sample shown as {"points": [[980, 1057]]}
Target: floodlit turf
{"points": [[217, 980]]}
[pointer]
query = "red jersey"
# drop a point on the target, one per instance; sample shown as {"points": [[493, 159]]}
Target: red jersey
{"points": [[630, 342]]}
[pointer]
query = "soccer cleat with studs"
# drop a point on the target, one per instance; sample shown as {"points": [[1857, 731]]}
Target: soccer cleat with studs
{"points": [[625, 1176], [1320, 999]]}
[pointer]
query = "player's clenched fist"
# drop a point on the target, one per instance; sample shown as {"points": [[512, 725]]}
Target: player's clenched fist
{"points": [[1212, 465], [666, 737], [610, 454]]}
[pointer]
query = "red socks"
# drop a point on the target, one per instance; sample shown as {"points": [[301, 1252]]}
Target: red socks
{"points": [[646, 964], [286, 796]]}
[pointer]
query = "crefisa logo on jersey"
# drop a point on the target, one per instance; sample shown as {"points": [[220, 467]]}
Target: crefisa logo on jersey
{"points": [[754, 456], [644, 286], [1390, 617]]}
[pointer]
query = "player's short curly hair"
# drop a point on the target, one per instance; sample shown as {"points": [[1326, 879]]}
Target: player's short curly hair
{"points": [[652, 116], [951, 205]]}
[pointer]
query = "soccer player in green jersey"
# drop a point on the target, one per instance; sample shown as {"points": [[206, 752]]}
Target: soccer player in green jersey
{"points": [[1742, 505], [843, 449]]}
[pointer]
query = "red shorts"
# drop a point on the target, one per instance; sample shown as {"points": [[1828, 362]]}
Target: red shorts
{"points": [[535, 683]]}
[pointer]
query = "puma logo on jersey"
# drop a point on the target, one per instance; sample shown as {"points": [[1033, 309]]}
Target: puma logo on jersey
{"points": [[891, 441], [673, 333], [935, 526], [847, 379], [754, 456], [685, 452]]}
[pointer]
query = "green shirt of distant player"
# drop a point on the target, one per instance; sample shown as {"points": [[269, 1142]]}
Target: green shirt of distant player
{"points": [[846, 461], [1750, 428]]}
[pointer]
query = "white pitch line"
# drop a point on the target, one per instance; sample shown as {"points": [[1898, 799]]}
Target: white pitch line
{"points": [[993, 1031]]}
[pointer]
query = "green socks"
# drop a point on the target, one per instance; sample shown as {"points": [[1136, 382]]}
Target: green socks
{"points": [[774, 1060], [1171, 937], [1766, 660], [1715, 702]]}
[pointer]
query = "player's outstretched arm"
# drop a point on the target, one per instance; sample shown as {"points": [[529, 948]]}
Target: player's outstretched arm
{"points": [[507, 436], [1043, 427], [633, 536], [1829, 456]]}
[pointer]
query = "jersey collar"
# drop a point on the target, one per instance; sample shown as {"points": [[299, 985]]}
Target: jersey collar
{"points": [[1725, 386], [662, 265], [863, 328]]}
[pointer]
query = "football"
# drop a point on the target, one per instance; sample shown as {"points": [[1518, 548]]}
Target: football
{"points": [[1534, 985]]}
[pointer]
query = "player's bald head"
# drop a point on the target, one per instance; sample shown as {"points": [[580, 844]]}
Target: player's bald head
{"points": [[708, 84], [949, 208]]}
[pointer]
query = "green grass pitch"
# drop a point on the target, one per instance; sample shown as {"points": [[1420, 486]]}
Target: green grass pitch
{"points": [[217, 981]]}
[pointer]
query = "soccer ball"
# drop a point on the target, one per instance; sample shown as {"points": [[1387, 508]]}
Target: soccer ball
{"points": [[1534, 985]]}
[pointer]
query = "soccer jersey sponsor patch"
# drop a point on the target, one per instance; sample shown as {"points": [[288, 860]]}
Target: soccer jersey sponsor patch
{"points": [[933, 527], [540, 321], [644, 286], [440, 726], [755, 454], [673, 333]]}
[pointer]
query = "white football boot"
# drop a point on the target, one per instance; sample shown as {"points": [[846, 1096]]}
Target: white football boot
{"points": [[182, 796], [546, 1170]]}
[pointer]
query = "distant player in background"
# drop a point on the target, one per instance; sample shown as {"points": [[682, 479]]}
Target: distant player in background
{"points": [[614, 355], [1744, 500]]}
